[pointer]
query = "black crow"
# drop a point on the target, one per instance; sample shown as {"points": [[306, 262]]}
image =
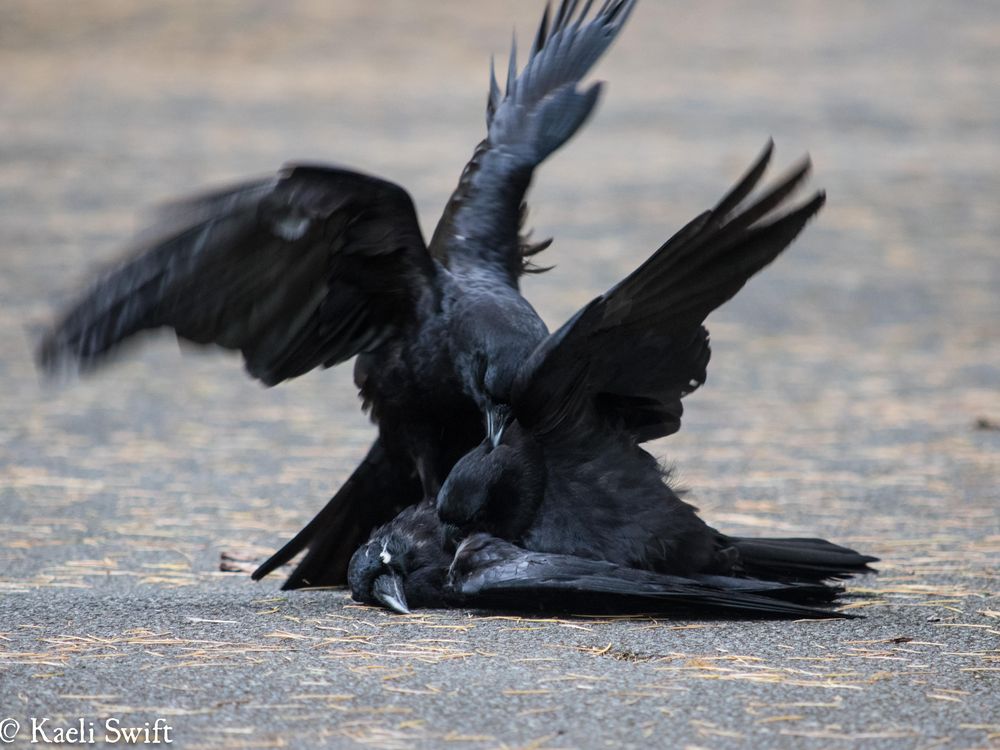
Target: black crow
{"points": [[319, 264], [588, 516], [413, 562], [564, 473]]}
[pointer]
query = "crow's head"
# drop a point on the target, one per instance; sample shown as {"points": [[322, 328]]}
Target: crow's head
{"points": [[495, 487], [472, 485], [403, 564]]}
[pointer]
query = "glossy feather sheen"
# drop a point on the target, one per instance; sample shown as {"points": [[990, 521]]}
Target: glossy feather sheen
{"points": [[489, 570], [319, 264]]}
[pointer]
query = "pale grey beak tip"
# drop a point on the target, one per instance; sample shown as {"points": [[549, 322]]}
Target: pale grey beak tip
{"points": [[388, 591]]}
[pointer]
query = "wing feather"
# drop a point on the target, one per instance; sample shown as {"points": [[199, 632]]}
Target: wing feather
{"points": [[300, 270], [633, 353], [539, 110], [488, 572]]}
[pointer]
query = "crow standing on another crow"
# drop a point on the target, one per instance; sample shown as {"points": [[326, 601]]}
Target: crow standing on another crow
{"points": [[564, 505], [318, 264]]}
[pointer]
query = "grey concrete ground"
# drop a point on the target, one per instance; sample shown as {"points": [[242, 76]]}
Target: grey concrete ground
{"points": [[853, 390]]}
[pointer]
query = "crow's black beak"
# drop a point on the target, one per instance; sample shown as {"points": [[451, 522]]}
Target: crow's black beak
{"points": [[497, 419], [388, 591]]}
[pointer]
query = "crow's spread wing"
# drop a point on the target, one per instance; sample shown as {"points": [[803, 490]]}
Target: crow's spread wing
{"points": [[539, 110], [630, 355], [300, 270], [488, 572]]}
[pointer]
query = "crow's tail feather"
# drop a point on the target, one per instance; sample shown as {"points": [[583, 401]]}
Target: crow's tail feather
{"points": [[799, 559], [369, 498]]}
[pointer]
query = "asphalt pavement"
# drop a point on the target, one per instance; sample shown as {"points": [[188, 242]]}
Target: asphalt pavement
{"points": [[853, 393]]}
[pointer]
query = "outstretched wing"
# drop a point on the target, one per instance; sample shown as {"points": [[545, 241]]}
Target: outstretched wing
{"points": [[300, 270], [630, 355], [540, 109], [488, 572]]}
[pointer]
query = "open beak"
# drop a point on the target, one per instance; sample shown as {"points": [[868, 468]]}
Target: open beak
{"points": [[388, 591]]}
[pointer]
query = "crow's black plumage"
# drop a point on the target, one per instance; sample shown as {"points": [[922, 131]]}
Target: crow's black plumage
{"points": [[560, 506], [563, 478], [319, 264], [415, 561]]}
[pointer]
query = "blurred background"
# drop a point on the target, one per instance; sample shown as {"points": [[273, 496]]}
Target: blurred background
{"points": [[853, 391]]}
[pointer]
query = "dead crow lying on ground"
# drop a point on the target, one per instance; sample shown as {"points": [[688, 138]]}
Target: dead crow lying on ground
{"points": [[414, 561]]}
